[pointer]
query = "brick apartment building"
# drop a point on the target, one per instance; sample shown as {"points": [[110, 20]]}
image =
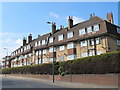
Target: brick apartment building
{"points": [[6, 62], [91, 37]]}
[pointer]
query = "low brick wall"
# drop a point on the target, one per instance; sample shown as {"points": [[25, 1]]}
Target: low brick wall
{"points": [[100, 79]]}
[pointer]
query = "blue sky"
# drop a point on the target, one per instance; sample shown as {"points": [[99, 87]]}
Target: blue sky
{"points": [[21, 18]]}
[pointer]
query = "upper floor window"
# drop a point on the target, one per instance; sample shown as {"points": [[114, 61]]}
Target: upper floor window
{"points": [[36, 52], [69, 34], [43, 42], [118, 42], [91, 41], [51, 49], [44, 51], [39, 43], [89, 29], [62, 48], [96, 27], [50, 39], [82, 31], [36, 44], [70, 46], [83, 43], [60, 37], [97, 40]]}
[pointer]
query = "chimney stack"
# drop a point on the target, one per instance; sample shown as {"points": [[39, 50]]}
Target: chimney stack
{"points": [[24, 41], [61, 27], [70, 22], [53, 27], [30, 38], [92, 15], [109, 17]]}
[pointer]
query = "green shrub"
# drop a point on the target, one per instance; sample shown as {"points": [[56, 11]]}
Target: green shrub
{"points": [[99, 64]]}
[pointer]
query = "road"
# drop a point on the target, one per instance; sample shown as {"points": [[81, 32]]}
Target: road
{"points": [[8, 82]]}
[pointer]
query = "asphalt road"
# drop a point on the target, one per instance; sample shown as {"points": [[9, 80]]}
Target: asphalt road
{"points": [[8, 82]]}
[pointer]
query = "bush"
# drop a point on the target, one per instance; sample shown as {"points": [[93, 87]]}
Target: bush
{"points": [[99, 64]]}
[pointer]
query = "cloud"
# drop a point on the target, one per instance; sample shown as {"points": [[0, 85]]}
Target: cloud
{"points": [[77, 20], [19, 42], [54, 15]]}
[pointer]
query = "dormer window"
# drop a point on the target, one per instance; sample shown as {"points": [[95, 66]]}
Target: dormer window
{"points": [[82, 31], [118, 30], [60, 37], [43, 42], [89, 29], [36, 44], [50, 39], [96, 27], [69, 34]]}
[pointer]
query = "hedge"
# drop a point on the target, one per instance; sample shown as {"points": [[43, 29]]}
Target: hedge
{"points": [[99, 64]]}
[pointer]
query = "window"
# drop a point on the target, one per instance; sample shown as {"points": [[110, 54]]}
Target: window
{"points": [[70, 46], [96, 27], [50, 39], [44, 51], [40, 52], [60, 37], [36, 43], [91, 53], [43, 42], [44, 60], [99, 52], [62, 48], [51, 49], [36, 52], [98, 40], [36, 62], [39, 43], [84, 54], [61, 58], [91, 42], [89, 29], [118, 30], [82, 31], [51, 59], [70, 35], [71, 57], [118, 42], [83, 43]]}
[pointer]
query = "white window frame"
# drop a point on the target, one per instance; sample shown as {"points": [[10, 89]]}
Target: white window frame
{"points": [[60, 37], [83, 43], [85, 54], [71, 46], [62, 48], [89, 29], [51, 49], [71, 57], [51, 40], [82, 31], [69, 35], [44, 51], [96, 27], [91, 53], [43, 42]]}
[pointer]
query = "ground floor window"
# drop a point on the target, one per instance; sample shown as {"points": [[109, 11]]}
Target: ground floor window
{"points": [[84, 54], [99, 52], [61, 58], [71, 57]]}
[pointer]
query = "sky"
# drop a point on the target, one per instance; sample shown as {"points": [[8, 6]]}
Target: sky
{"points": [[22, 18]]}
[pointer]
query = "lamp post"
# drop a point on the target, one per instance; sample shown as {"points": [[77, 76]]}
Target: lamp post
{"points": [[53, 56], [6, 57]]}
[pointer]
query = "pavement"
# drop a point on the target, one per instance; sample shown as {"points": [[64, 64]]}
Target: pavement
{"points": [[26, 82]]}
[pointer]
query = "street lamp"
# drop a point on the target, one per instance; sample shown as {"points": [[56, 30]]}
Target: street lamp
{"points": [[6, 57], [53, 55]]}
